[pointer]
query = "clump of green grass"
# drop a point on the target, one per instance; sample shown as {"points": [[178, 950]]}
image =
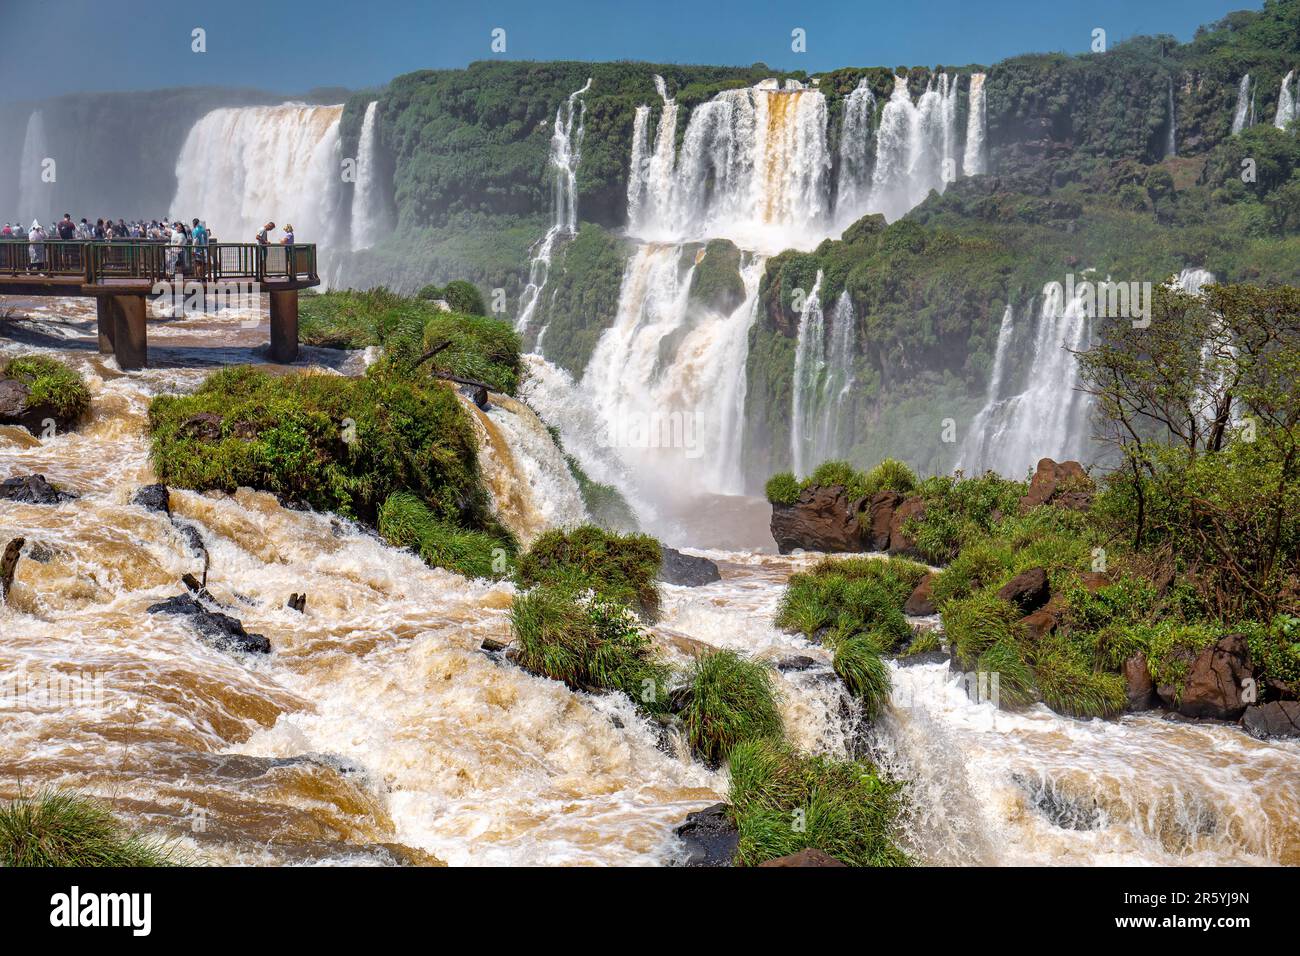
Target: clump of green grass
{"points": [[960, 510], [589, 644], [782, 488], [858, 663], [621, 568], [50, 382], [1015, 680], [406, 522], [890, 475], [1069, 685], [58, 828], [1172, 646], [482, 348], [729, 699], [975, 624], [783, 801], [605, 503], [460, 296], [851, 596]]}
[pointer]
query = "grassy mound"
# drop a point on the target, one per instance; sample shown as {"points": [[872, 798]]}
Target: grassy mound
{"points": [[460, 295], [588, 643], [783, 802], [843, 598], [889, 475], [858, 663], [482, 348], [729, 700], [407, 522], [50, 383], [619, 568], [56, 828]]}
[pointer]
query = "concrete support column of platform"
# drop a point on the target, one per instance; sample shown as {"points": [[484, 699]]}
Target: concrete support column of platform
{"points": [[104, 319], [130, 345], [284, 326]]}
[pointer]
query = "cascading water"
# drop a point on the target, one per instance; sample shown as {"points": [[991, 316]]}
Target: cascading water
{"points": [[854, 184], [1049, 417], [809, 363], [1171, 128], [1242, 112], [914, 146], [368, 210], [1286, 103], [566, 146], [31, 197], [242, 167], [973, 161], [823, 379]]}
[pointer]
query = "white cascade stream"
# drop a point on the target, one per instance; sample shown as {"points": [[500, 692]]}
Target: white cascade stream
{"points": [[368, 215], [1286, 103], [1241, 113]]}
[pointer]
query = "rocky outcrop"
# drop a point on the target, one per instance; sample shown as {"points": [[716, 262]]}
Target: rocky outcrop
{"points": [[1139, 688], [921, 600], [32, 490], [1060, 484], [154, 498], [899, 542], [219, 629], [822, 519], [1215, 683], [710, 837], [809, 857], [17, 408], [297, 602], [687, 570], [9, 565], [1028, 590], [1281, 718], [880, 516]]}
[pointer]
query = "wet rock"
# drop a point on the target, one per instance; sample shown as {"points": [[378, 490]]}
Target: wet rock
{"points": [[1281, 718], [154, 498], [923, 657], [1215, 681], [9, 565], [809, 857], [921, 601], [32, 490], [686, 569], [1028, 590], [1063, 484], [297, 602], [1139, 687], [16, 408], [1039, 624], [493, 646], [476, 394], [220, 629], [193, 540], [796, 662], [1277, 689], [822, 519], [205, 426], [880, 515], [711, 838], [899, 542]]}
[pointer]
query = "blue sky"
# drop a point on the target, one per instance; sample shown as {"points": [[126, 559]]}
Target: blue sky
{"points": [[67, 46]]}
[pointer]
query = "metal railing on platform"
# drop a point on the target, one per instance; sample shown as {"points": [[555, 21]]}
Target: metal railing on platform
{"points": [[154, 260]]}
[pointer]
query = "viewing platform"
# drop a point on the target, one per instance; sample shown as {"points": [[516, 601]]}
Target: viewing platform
{"points": [[123, 275]]}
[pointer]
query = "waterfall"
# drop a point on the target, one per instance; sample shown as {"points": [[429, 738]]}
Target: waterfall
{"points": [[531, 486], [1286, 105], [809, 363], [650, 184], [1171, 131], [33, 193], [241, 167], [854, 185], [914, 145], [975, 448], [566, 146], [973, 162], [1049, 417], [368, 210], [1241, 114]]}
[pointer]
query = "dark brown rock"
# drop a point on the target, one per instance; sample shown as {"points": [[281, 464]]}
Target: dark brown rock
{"points": [[921, 600], [32, 490], [153, 498], [809, 857], [1028, 590], [1094, 581], [710, 837], [1066, 480], [1039, 624], [687, 570], [1141, 690], [1281, 718], [899, 542], [880, 515], [821, 520], [205, 426], [9, 565], [1215, 681]]}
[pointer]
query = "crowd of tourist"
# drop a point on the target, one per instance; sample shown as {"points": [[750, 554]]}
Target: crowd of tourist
{"points": [[187, 245]]}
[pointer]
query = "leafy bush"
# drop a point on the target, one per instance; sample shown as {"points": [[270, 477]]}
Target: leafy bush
{"points": [[1275, 647], [589, 644], [57, 828], [406, 522], [858, 663], [729, 700], [1172, 645], [847, 809], [782, 489], [960, 510], [620, 568], [50, 382]]}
